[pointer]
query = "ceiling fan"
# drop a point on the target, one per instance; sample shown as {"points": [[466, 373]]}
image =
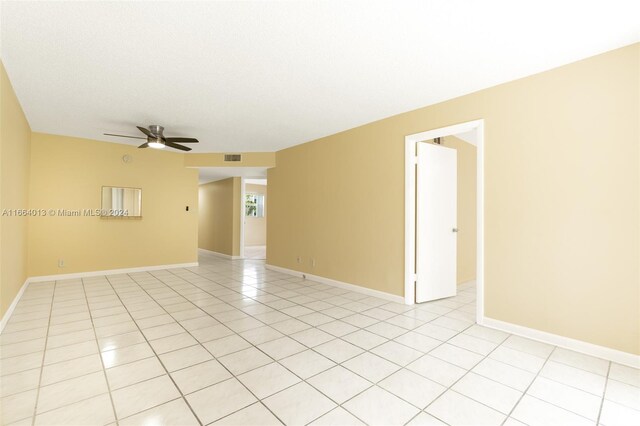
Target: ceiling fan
{"points": [[156, 139]]}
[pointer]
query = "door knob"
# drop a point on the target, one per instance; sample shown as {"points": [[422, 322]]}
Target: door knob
{"points": [[454, 230]]}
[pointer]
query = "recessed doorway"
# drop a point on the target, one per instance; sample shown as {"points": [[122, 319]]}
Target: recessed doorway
{"points": [[255, 219]]}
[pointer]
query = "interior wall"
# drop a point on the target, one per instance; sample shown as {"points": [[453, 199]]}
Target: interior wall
{"points": [[562, 191], [15, 146], [68, 173], [467, 217], [255, 228], [219, 216]]}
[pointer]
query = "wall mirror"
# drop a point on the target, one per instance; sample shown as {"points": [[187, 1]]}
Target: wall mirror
{"points": [[121, 202]]}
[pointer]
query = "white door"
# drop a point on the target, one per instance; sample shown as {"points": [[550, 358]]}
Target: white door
{"points": [[436, 217]]}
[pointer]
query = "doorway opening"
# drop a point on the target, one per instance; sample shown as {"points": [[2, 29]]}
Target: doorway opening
{"points": [[470, 133], [254, 220], [221, 210]]}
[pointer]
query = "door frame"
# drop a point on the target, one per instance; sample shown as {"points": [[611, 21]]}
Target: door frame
{"points": [[410, 207]]}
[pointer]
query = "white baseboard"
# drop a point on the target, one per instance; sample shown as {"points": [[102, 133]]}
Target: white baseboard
{"points": [[12, 307], [597, 351], [215, 253], [109, 272], [340, 284]]}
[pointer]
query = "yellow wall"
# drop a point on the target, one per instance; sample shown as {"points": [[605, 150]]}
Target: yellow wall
{"points": [[219, 216], [255, 228], [15, 144], [467, 226], [68, 173], [562, 228]]}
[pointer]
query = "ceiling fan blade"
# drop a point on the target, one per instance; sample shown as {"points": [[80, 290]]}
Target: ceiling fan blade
{"points": [[144, 145], [146, 132], [182, 140], [176, 146], [123, 136]]}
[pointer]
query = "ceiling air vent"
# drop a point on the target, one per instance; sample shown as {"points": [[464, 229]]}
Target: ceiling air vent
{"points": [[233, 157]]}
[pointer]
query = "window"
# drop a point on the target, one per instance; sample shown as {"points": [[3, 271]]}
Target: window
{"points": [[254, 205]]}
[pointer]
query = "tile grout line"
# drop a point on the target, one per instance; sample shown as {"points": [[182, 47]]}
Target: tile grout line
{"points": [[530, 384], [44, 353], [302, 380], [420, 410], [152, 349], [402, 367], [570, 386], [201, 345], [153, 407], [460, 378], [365, 351], [604, 394], [82, 375], [104, 370], [176, 321]]}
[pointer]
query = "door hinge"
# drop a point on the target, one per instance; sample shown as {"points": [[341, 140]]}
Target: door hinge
{"points": [[415, 160], [415, 278]]}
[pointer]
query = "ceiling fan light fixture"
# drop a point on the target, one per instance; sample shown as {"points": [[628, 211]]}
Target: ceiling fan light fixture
{"points": [[157, 144]]}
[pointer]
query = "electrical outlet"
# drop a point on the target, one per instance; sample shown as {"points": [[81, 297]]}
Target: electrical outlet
{"points": [[60, 263], [313, 262], [298, 259]]}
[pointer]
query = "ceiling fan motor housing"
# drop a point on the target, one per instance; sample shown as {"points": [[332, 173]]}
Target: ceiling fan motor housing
{"points": [[156, 130]]}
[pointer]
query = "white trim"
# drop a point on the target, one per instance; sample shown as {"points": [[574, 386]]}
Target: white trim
{"points": [[12, 307], [339, 284], [243, 192], [480, 222], [409, 222], [108, 272], [217, 254], [410, 207], [603, 352]]}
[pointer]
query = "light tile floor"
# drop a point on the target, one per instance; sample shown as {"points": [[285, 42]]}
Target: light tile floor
{"points": [[230, 342]]}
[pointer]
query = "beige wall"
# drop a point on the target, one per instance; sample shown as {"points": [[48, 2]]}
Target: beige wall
{"points": [[68, 173], [561, 199], [467, 226], [219, 216], [15, 145], [255, 228]]}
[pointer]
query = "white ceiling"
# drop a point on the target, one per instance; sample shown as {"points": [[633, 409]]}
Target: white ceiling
{"points": [[210, 174], [261, 76]]}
